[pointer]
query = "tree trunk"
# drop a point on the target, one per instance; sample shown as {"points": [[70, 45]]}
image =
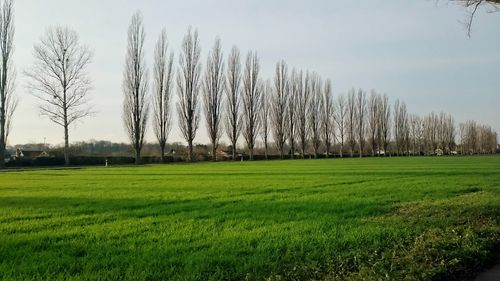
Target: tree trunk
{"points": [[137, 156], [251, 153], [66, 145], [234, 151], [162, 151], [265, 150], [214, 153], [2, 153], [190, 151], [2, 135]]}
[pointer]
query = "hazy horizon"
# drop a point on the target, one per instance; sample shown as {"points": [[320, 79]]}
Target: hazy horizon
{"points": [[416, 51]]}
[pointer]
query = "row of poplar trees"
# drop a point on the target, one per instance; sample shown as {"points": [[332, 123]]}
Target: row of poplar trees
{"points": [[296, 111]]}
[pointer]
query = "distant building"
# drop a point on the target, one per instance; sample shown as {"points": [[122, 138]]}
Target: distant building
{"points": [[30, 154], [223, 154]]}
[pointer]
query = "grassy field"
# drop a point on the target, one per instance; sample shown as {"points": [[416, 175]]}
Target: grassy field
{"points": [[417, 218]]}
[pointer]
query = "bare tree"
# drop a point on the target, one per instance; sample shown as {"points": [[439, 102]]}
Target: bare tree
{"points": [[361, 116], [315, 113], [252, 90], [233, 98], [265, 112], [291, 115], [213, 86], [462, 130], [373, 112], [340, 121], [400, 126], [188, 86], [351, 121], [415, 133], [8, 101], [279, 102], [135, 86], [162, 91], [303, 96], [327, 117], [384, 124], [59, 79]]}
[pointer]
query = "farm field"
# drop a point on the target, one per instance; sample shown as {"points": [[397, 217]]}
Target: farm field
{"points": [[389, 218]]}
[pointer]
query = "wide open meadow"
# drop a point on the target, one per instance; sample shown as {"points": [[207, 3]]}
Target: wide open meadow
{"points": [[422, 218]]}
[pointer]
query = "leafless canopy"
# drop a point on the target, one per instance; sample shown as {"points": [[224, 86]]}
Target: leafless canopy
{"points": [[327, 117], [340, 121], [8, 101], [135, 86], [213, 88], [233, 98], [265, 112], [373, 124], [360, 117], [162, 91], [303, 96], [384, 124], [314, 112], [59, 78], [188, 86], [351, 123], [279, 102], [400, 126], [291, 115], [252, 90]]}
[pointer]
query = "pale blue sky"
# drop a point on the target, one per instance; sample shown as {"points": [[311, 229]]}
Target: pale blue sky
{"points": [[414, 50]]}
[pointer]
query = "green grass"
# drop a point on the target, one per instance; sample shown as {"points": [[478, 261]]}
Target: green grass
{"points": [[413, 218]]}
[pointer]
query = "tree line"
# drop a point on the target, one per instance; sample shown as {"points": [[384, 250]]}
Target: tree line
{"points": [[295, 112]]}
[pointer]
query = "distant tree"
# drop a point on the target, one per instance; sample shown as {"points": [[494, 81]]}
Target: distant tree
{"points": [[233, 98], [400, 126], [162, 91], [360, 117], [252, 90], [384, 124], [340, 121], [265, 114], [135, 86], [372, 108], [327, 117], [279, 103], [291, 110], [462, 136], [415, 133], [8, 101], [303, 96], [59, 79], [315, 113], [351, 121], [188, 86], [213, 88]]}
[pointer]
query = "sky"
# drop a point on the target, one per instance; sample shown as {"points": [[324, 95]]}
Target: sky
{"points": [[414, 50]]}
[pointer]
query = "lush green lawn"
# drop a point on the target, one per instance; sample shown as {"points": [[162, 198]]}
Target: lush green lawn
{"points": [[420, 218]]}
